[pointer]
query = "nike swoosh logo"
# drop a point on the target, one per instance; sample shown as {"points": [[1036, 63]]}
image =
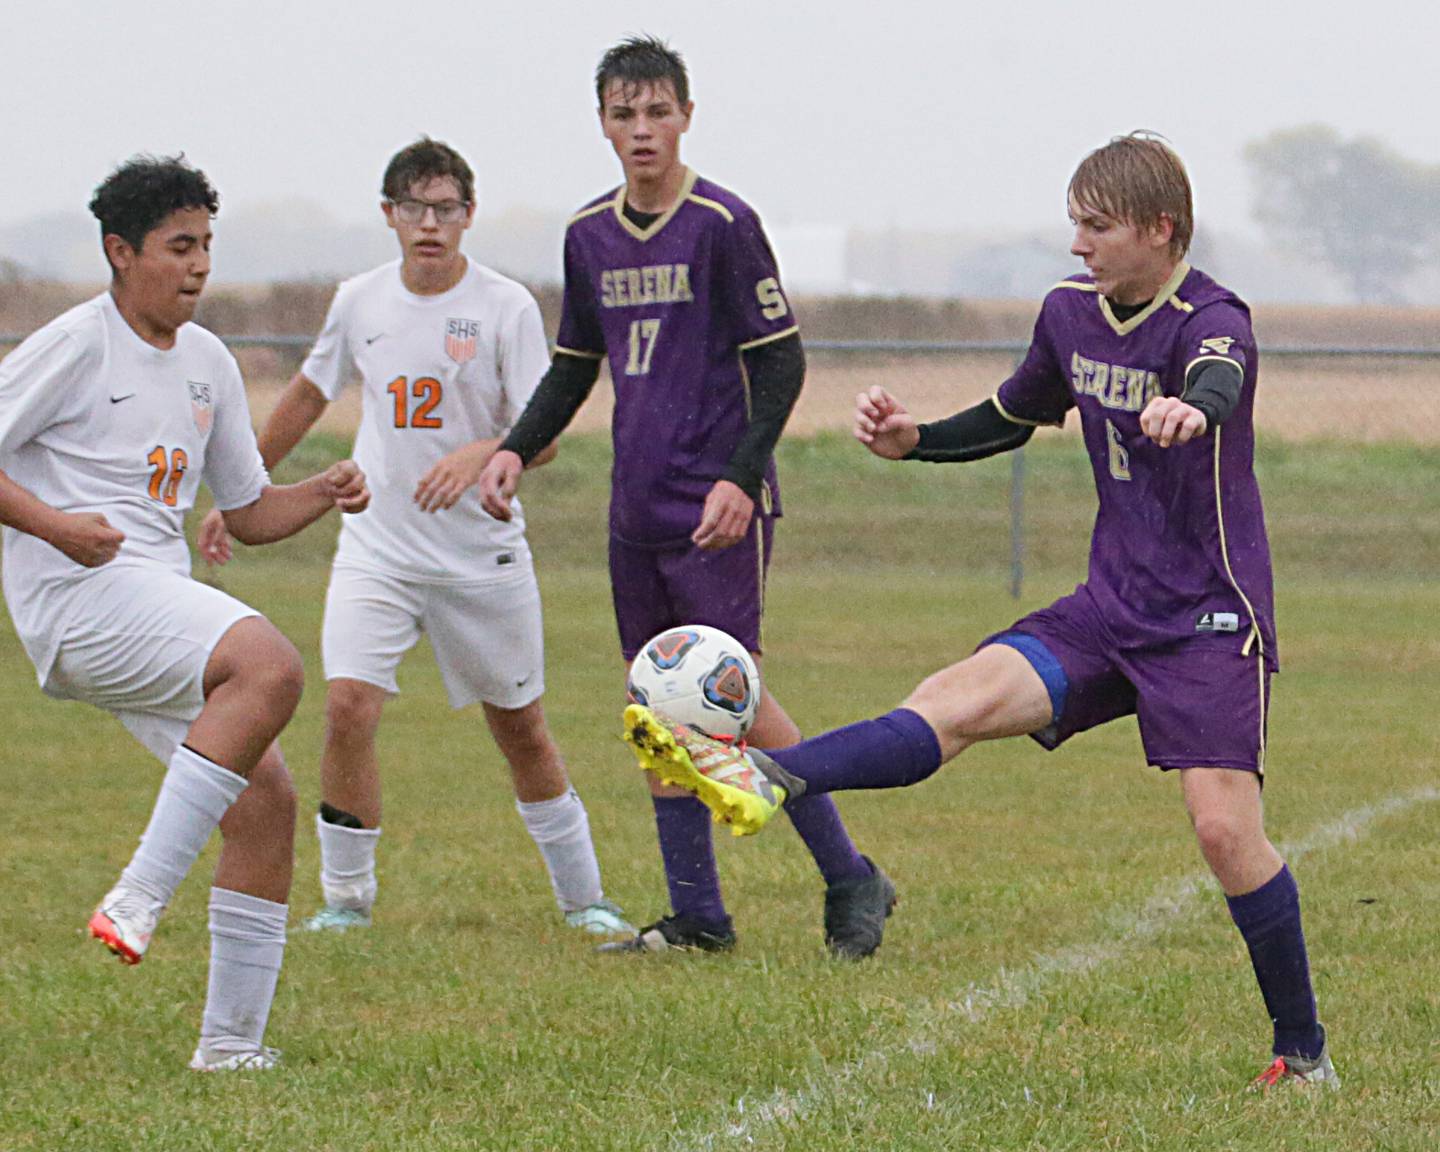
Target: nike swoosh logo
{"points": [[522, 683], [371, 339], [117, 399]]}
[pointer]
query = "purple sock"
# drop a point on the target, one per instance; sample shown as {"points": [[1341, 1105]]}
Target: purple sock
{"points": [[890, 751], [818, 821], [1269, 920], [689, 855]]}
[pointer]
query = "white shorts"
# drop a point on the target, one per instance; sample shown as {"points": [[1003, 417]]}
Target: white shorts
{"points": [[137, 643], [487, 637]]}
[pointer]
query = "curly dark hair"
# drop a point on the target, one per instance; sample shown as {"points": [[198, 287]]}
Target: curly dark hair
{"points": [[423, 161], [139, 194], [639, 60]]}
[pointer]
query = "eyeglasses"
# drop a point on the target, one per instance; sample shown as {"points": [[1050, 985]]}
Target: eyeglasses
{"points": [[446, 211]]}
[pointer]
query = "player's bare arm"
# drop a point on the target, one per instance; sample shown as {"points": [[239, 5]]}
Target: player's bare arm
{"points": [[884, 425], [295, 413], [86, 537], [284, 509], [461, 470]]}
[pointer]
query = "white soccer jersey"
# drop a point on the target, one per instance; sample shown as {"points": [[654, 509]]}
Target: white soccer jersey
{"points": [[94, 419], [438, 372]]}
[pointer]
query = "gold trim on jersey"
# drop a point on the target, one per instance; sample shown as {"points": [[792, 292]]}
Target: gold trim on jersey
{"points": [[715, 204], [1166, 295], [1211, 356], [766, 502], [591, 211], [1260, 760], [560, 351], [995, 399], [744, 382], [1255, 640], [794, 328], [1255, 635], [1079, 285], [617, 205]]}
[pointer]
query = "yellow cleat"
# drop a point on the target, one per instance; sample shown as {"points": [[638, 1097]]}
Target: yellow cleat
{"points": [[722, 776]]}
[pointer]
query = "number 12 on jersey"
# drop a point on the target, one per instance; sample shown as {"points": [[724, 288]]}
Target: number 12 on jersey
{"points": [[427, 390], [643, 334]]}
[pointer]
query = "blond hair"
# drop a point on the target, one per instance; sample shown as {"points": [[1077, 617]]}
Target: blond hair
{"points": [[1138, 179]]}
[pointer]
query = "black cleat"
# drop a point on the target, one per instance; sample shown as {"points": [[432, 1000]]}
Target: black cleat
{"points": [[676, 932], [855, 913]]}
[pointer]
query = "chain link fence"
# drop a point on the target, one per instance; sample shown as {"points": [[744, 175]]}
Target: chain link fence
{"points": [[1348, 393]]}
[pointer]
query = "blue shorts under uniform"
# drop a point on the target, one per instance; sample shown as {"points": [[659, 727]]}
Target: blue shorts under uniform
{"points": [[1201, 701], [659, 588]]}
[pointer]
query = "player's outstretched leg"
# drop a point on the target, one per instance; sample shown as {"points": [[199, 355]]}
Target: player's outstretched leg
{"points": [[1264, 902], [555, 817]]}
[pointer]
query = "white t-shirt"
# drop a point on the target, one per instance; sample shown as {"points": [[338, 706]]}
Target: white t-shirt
{"points": [[438, 372], [94, 419]]}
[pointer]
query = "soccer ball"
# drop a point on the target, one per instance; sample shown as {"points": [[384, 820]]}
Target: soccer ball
{"points": [[698, 676]]}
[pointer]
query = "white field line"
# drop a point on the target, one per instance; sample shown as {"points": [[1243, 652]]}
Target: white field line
{"points": [[1169, 904]]}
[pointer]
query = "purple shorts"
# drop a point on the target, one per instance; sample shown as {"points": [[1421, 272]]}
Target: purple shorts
{"points": [[655, 589], [1200, 701]]}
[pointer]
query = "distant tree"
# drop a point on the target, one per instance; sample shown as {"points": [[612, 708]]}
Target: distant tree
{"points": [[1356, 206]]}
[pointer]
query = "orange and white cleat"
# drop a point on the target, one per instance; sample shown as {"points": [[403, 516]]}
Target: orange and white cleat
{"points": [[1297, 1070], [124, 923]]}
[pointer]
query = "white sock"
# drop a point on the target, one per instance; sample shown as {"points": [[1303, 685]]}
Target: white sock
{"points": [[561, 831], [347, 865], [193, 796], [247, 943]]}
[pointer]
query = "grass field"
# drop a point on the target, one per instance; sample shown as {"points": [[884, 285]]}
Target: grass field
{"points": [[1060, 973]]}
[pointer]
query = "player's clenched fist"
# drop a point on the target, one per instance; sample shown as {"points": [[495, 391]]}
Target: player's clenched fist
{"points": [[1169, 420], [883, 425], [88, 539], [346, 486]]}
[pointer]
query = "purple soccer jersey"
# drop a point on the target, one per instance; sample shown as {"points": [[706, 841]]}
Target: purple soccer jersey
{"points": [[672, 306], [1179, 547]]}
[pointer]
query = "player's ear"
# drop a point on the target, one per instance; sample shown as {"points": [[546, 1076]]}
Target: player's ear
{"points": [[389, 210], [120, 252], [688, 109], [1163, 230]]}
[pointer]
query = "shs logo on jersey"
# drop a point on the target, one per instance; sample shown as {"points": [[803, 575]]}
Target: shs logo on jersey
{"points": [[460, 339], [202, 406]]}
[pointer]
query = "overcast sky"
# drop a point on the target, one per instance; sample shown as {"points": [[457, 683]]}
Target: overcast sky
{"points": [[935, 114]]}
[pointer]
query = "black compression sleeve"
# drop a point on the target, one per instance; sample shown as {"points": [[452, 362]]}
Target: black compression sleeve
{"points": [[1213, 386], [557, 398], [777, 373], [973, 434]]}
